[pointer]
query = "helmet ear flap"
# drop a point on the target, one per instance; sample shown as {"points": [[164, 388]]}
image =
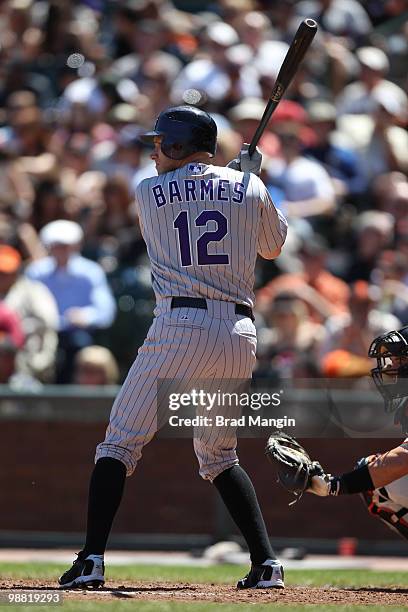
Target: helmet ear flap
{"points": [[178, 149], [173, 150]]}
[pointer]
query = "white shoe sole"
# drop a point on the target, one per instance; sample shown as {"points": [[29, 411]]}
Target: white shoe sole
{"points": [[267, 584], [93, 581]]}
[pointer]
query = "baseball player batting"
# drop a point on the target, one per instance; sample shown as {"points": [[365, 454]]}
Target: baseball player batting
{"points": [[203, 226], [382, 479]]}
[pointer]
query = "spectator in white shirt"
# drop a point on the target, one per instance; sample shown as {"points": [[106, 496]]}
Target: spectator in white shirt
{"points": [[307, 187], [362, 96], [84, 299]]}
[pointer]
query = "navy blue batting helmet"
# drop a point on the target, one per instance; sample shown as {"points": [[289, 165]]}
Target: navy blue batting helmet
{"points": [[184, 130]]}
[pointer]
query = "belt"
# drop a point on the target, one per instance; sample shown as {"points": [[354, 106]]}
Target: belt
{"points": [[189, 302]]}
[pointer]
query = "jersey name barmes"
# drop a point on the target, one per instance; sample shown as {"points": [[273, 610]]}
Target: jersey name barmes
{"points": [[190, 190]]}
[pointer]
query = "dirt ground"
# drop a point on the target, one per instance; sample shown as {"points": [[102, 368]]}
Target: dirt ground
{"points": [[162, 591]]}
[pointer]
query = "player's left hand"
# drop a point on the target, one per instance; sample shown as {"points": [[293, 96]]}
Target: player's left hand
{"points": [[244, 163], [320, 485]]}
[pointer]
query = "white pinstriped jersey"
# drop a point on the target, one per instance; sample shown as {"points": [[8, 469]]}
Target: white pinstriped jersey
{"points": [[203, 226]]}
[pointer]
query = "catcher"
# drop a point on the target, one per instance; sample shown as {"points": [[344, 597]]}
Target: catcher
{"points": [[381, 479]]}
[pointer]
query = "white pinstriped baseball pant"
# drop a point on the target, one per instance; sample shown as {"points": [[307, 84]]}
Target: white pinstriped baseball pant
{"points": [[187, 344]]}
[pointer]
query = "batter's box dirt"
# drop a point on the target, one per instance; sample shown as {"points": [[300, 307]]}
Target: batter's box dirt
{"points": [[162, 591]]}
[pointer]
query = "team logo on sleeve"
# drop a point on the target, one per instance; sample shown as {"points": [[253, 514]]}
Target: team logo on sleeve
{"points": [[195, 168]]}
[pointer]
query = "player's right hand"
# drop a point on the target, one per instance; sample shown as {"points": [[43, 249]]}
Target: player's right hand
{"points": [[244, 163]]}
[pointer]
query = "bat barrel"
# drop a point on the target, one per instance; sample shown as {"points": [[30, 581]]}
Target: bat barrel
{"points": [[300, 44]]}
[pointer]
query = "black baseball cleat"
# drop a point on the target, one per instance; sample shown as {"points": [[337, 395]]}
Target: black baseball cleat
{"points": [[269, 575], [86, 572]]}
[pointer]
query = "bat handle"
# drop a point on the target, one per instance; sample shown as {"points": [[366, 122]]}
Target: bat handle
{"points": [[261, 127], [255, 140]]}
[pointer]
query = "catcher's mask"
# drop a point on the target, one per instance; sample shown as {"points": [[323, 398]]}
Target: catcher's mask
{"points": [[391, 374], [184, 130]]}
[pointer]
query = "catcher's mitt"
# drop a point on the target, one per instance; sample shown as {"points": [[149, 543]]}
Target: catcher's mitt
{"points": [[294, 466]]}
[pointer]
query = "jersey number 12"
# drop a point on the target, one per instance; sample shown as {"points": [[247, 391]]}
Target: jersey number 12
{"points": [[204, 258]]}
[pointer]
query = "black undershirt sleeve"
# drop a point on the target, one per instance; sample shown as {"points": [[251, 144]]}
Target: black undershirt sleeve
{"points": [[357, 481]]}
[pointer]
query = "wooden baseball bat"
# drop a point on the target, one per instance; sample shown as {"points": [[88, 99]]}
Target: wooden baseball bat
{"points": [[296, 52]]}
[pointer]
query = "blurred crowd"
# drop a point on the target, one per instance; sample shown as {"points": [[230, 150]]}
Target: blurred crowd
{"points": [[81, 80]]}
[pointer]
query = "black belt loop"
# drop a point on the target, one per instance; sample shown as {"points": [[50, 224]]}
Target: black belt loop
{"points": [[190, 302], [246, 311]]}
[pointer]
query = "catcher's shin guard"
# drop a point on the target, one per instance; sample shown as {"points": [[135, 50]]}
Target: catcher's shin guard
{"points": [[394, 515]]}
